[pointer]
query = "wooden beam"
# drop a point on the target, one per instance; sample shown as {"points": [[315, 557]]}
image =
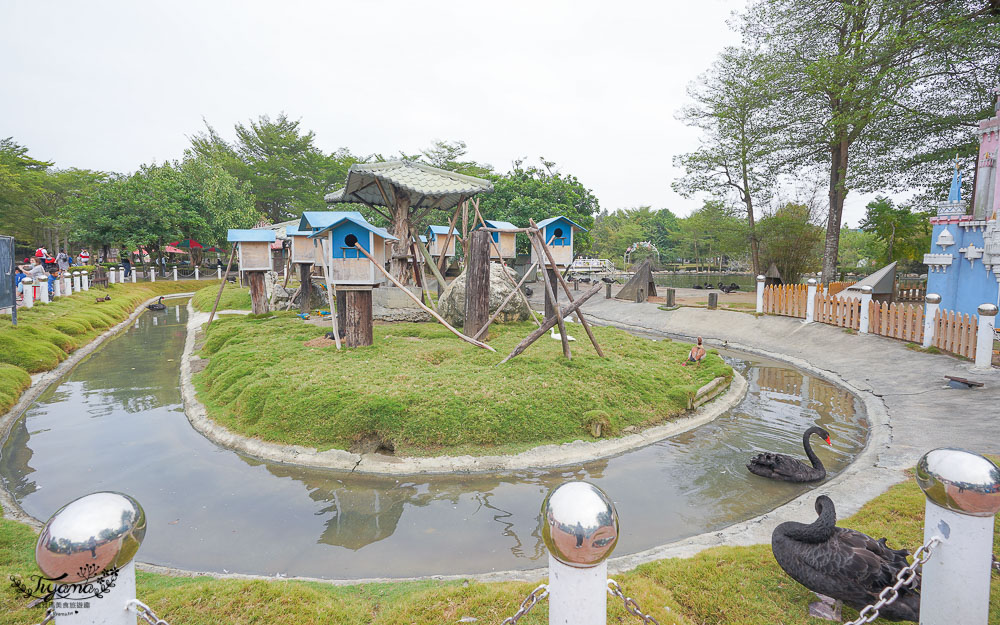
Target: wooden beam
{"points": [[503, 264], [551, 321], [329, 294], [477, 286], [583, 321], [504, 303], [442, 258], [218, 295], [421, 304], [549, 289], [429, 260]]}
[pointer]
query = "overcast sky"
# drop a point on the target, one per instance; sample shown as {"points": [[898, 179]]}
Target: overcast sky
{"points": [[593, 86]]}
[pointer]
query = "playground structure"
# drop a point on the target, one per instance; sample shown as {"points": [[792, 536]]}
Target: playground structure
{"points": [[640, 245]]}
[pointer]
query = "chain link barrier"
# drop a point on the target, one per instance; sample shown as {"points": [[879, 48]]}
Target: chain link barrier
{"points": [[905, 577], [630, 604], [536, 595], [145, 613]]}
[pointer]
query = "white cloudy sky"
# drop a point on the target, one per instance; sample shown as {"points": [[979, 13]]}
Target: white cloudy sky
{"points": [[593, 86]]}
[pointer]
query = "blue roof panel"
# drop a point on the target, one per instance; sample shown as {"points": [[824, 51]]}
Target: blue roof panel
{"points": [[359, 220], [251, 236], [546, 222], [315, 220], [292, 231]]}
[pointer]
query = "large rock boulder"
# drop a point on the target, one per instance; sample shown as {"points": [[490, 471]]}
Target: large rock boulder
{"points": [[389, 303], [451, 305]]}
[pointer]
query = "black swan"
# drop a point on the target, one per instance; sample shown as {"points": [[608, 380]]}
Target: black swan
{"points": [[159, 305], [782, 467], [843, 564]]}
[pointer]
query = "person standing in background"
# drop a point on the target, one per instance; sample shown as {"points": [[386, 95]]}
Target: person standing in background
{"points": [[84, 257], [63, 260]]}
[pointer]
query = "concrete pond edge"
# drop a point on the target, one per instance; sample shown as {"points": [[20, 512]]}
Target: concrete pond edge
{"points": [[709, 404], [41, 381]]}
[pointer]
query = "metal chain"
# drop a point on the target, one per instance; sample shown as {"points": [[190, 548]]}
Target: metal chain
{"points": [[630, 604], [145, 613], [529, 602], [905, 577], [50, 615]]}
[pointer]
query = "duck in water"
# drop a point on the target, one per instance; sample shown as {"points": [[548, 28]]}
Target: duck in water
{"points": [[844, 564], [782, 467], [159, 305]]}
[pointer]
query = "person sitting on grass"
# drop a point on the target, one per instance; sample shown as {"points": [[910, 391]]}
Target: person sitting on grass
{"points": [[696, 354], [18, 277]]}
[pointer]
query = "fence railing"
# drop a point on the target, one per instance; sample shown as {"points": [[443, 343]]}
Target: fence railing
{"points": [[956, 333], [842, 312], [788, 300], [898, 321]]}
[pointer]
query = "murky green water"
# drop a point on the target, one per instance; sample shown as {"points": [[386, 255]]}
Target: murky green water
{"points": [[115, 422]]}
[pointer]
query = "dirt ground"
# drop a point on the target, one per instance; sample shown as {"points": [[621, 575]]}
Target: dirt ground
{"points": [[699, 297]]}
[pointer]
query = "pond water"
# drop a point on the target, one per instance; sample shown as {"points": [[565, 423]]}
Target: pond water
{"points": [[115, 422]]}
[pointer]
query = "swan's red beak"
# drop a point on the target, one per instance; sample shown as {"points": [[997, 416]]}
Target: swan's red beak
{"points": [[828, 441]]}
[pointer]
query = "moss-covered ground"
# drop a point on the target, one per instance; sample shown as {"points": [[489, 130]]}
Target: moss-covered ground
{"points": [[721, 586], [428, 392], [233, 298], [47, 333]]}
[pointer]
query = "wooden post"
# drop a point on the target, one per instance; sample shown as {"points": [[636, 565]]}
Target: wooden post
{"points": [[553, 301], [477, 286], [419, 303], [442, 258], [429, 261], [506, 300], [550, 292], [305, 288], [358, 318], [218, 295], [329, 293], [341, 300], [258, 299], [465, 233], [579, 315], [504, 265], [551, 321]]}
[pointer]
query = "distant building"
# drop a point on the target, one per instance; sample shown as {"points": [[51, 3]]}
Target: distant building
{"points": [[963, 266]]}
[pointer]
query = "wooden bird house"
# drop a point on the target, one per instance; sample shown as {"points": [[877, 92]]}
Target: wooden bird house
{"points": [[304, 251], [347, 265], [559, 234], [254, 248], [505, 242], [436, 236]]}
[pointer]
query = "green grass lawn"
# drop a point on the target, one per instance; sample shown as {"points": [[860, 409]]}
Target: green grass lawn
{"points": [[725, 585], [47, 333], [430, 393], [233, 298]]}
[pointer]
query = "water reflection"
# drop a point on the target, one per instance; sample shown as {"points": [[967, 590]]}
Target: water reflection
{"points": [[115, 423]]}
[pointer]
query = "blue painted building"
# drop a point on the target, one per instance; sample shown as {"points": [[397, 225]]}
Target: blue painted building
{"points": [[347, 265], [963, 266]]}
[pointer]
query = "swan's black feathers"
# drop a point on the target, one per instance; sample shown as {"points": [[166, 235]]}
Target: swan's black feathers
{"points": [[846, 564], [782, 467]]}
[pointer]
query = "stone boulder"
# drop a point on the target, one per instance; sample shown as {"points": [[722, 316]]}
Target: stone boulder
{"points": [[451, 305], [389, 303]]}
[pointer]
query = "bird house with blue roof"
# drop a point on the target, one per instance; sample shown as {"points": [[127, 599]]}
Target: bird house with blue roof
{"points": [[254, 248], [558, 233], [304, 251], [436, 236], [506, 242], [348, 266]]}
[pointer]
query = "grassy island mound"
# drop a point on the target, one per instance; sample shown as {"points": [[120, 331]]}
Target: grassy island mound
{"points": [[429, 393]]}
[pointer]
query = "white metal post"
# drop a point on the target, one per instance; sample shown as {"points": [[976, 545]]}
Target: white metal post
{"points": [[933, 302], [196, 273], [152, 275], [43, 289], [28, 291], [109, 609], [580, 530], [85, 280], [866, 304], [112, 276], [810, 300], [984, 339], [133, 274], [963, 495], [56, 287], [218, 272], [76, 281], [175, 274], [121, 275], [68, 283], [760, 294]]}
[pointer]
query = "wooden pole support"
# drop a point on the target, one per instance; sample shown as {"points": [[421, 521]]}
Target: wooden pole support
{"points": [[218, 295], [442, 258], [421, 304], [504, 265], [562, 281], [550, 293], [258, 299], [305, 286], [551, 321], [429, 261], [358, 318], [506, 301], [329, 295], [477, 286]]}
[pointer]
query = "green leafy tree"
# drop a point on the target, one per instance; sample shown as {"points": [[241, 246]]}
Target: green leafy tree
{"points": [[905, 234], [22, 183], [791, 241], [859, 250], [736, 160], [868, 87], [712, 234]]}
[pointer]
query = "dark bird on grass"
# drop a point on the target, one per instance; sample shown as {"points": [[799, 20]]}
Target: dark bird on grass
{"points": [[106, 298], [726, 289], [733, 286], [844, 564], [782, 467], [698, 286], [159, 305], [608, 280]]}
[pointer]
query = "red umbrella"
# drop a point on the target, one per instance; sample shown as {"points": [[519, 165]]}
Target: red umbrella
{"points": [[190, 244]]}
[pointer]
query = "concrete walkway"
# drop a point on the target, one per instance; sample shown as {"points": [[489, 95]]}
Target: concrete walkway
{"points": [[924, 413]]}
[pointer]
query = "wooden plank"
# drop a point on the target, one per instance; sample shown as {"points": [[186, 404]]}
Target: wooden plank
{"points": [[218, 295], [477, 286], [551, 321], [329, 292], [421, 304]]}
